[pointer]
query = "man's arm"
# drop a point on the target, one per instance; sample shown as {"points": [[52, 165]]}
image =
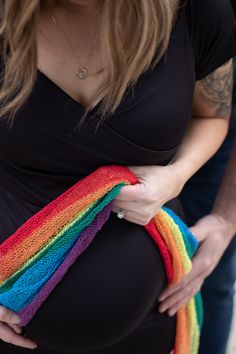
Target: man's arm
{"points": [[225, 203]]}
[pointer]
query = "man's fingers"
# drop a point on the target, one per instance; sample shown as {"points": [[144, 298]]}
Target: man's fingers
{"points": [[181, 286], [9, 336], [184, 301], [198, 233], [200, 268], [8, 316], [187, 292], [172, 300]]}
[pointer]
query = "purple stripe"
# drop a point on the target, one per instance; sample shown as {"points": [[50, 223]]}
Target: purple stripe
{"points": [[81, 245]]}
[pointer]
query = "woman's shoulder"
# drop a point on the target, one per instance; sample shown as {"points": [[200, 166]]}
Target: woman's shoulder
{"points": [[208, 8], [207, 19], [212, 30]]}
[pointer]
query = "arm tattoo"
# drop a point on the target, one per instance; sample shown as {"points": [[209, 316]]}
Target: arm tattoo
{"points": [[216, 90]]}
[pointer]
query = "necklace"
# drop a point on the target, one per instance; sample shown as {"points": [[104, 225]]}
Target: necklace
{"points": [[82, 72]]}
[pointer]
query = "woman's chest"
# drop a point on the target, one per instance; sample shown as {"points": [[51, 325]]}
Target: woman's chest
{"points": [[146, 128]]}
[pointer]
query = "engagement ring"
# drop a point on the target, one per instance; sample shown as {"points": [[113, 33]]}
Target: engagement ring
{"points": [[121, 213]]}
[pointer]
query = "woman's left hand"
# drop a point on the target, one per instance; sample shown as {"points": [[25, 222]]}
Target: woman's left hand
{"points": [[141, 201]]}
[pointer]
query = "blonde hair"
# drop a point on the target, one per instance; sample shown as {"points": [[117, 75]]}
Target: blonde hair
{"points": [[147, 25]]}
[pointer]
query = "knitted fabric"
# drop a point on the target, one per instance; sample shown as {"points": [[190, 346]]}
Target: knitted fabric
{"points": [[35, 258]]}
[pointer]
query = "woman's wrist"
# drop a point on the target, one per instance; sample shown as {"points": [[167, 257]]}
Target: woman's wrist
{"points": [[195, 150], [179, 172], [174, 181]]}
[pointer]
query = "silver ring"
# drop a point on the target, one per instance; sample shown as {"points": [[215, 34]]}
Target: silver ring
{"points": [[121, 213]]}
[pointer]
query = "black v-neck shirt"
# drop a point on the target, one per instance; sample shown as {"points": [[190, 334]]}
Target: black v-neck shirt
{"points": [[43, 154]]}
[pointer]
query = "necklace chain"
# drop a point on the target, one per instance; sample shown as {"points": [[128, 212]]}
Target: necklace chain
{"points": [[82, 72]]}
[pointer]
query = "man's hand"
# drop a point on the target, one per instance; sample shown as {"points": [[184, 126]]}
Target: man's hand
{"points": [[214, 235]]}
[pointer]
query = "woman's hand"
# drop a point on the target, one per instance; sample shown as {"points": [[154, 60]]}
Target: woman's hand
{"points": [[157, 185], [10, 331], [214, 235]]}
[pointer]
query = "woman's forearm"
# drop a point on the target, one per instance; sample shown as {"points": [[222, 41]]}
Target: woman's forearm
{"points": [[203, 138], [209, 124]]}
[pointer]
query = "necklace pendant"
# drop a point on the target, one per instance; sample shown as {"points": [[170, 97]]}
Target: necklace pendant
{"points": [[82, 73]]}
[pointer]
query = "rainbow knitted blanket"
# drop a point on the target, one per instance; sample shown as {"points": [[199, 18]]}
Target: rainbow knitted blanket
{"points": [[35, 258]]}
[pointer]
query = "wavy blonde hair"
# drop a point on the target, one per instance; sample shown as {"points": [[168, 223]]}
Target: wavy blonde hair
{"points": [[147, 25]]}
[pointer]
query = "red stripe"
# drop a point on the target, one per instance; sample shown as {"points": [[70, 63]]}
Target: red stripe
{"points": [[91, 183], [154, 233]]}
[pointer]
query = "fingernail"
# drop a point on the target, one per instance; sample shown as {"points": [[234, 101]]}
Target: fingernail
{"points": [[16, 319], [33, 345], [161, 309], [171, 313]]}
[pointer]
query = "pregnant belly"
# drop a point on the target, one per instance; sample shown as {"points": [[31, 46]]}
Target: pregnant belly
{"points": [[105, 294]]}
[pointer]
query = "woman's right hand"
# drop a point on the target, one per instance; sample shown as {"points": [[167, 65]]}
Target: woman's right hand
{"points": [[10, 331]]}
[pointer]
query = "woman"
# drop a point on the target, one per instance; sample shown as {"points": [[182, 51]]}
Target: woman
{"points": [[67, 109]]}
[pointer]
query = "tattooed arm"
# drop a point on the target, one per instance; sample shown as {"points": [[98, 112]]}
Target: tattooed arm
{"points": [[213, 94], [210, 120]]}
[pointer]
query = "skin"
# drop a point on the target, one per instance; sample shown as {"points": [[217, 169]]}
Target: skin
{"points": [[157, 184], [80, 28], [214, 231]]}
